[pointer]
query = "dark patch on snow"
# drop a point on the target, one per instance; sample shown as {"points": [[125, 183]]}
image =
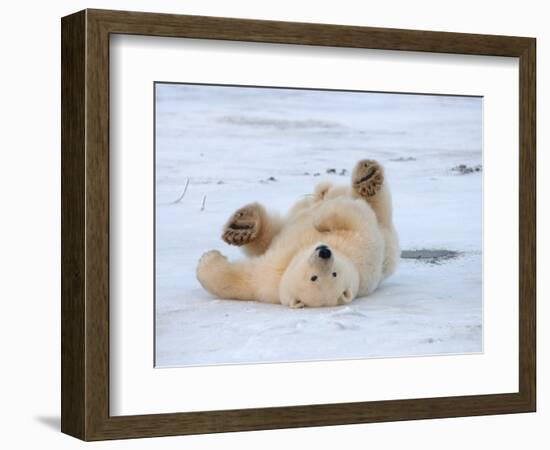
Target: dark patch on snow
{"points": [[330, 171], [403, 159], [463, 169], [268, 180], [431, 340], [430, 256]]}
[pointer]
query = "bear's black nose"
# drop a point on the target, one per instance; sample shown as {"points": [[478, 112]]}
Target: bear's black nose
{"points": [[324, 252]]}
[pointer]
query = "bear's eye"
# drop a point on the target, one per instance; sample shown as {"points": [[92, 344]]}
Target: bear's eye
{"points": [[334, 274], [314, 278]]}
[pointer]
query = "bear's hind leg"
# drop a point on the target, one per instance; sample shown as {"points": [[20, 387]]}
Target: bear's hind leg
{"points": [[251, 228], [368, 182]]}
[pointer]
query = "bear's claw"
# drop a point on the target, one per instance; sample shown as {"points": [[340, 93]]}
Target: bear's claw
{"points": [[243, 226], [367, 178]]}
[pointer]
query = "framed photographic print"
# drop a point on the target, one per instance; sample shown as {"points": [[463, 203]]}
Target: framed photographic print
{"points": [[272, 224]]}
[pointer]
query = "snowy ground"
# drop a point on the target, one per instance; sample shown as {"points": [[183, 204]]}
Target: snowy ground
{"points": [[229, 142]]}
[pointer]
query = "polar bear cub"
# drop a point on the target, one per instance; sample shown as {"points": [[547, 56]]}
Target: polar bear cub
{"points": [[334, 245]]}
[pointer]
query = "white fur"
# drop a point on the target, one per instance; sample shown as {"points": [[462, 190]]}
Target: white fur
{"points": [[358, 230]]}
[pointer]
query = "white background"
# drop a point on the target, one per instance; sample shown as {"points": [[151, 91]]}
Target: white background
{"points": [[30, 226]]}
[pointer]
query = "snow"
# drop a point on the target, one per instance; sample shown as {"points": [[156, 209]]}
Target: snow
{"points": [[228, 142]]}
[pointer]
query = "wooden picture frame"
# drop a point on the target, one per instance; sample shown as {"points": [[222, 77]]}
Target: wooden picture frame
{"points": [[85, 224]]}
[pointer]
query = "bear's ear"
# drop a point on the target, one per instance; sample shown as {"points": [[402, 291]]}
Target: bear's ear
{"points": [[296, 303], [346, 297]]}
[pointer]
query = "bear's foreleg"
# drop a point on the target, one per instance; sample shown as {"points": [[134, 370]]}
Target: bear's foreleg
{"points": [[252, 229], [225, 279]]}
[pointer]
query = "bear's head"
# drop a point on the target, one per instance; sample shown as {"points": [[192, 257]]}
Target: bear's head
{"points": [[319, 276]]}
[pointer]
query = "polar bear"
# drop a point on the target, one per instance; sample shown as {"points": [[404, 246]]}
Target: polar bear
{"points": [[334, 245]]}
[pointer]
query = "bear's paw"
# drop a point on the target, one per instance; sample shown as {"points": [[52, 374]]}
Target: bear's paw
{"points": [[243, 226], [367, 178]]}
